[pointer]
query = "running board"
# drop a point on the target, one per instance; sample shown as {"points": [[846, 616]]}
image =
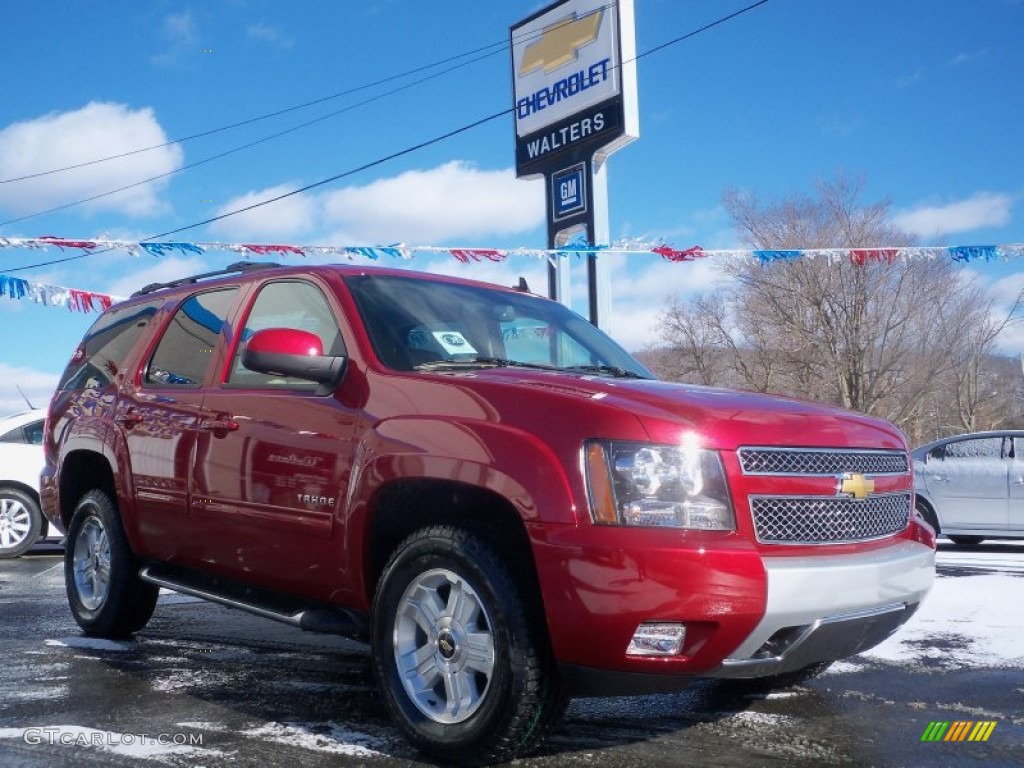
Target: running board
{"points": [[265, 603]]}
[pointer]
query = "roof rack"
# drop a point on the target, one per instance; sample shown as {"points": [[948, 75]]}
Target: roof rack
{"points": [[231, 269]]}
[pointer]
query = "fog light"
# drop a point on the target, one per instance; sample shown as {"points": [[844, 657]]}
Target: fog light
{"points": [[657, 640]]}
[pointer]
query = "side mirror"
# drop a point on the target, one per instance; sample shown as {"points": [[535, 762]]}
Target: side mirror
{"points": [[291, 352]]}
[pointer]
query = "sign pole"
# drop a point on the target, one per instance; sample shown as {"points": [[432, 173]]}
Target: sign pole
{"points": [[574, 85]]}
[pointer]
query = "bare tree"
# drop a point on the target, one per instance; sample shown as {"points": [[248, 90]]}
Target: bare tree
{"points": [[876, 334], [979, 387], [696, 338]]}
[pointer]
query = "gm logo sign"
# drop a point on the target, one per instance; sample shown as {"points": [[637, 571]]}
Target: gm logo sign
{"points": [[569, 191]]}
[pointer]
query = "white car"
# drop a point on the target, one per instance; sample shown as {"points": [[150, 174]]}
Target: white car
{"points": [[21, 461], [971, 487]]}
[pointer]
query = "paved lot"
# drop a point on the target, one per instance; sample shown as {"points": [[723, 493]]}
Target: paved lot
{"points": [[214, 687]]}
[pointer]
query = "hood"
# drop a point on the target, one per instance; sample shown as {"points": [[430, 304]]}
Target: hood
{"points": [[724, 418]]}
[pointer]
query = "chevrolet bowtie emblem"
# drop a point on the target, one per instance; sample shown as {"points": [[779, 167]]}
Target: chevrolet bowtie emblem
{"points": [[559, 42], [858, 486]]}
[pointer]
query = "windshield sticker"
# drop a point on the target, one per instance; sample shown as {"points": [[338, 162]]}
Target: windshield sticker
{"points": [[454, 343]]}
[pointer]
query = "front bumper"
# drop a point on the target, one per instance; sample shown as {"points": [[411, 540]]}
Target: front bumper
{"points": [[599, 584], [825, 608]]}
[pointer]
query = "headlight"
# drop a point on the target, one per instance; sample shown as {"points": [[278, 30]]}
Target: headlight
{"points": [[676, 486]]}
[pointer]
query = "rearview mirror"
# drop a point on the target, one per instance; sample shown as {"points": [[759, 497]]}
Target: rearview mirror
{"points": [[291, 352]]}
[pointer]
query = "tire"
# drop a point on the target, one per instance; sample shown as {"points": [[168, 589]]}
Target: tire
{"points": [[482, 686], [967, 541], [106, 595], [929, 515], [21, 522]]}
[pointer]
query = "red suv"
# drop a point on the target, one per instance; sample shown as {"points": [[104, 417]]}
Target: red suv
{"points": [[486, 488]]}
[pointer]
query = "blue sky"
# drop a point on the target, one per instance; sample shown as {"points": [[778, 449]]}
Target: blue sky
{"points": [[919, 97]]}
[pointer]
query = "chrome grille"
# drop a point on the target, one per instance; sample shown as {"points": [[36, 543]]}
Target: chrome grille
{"points": [[828, 461], [828, 519]]}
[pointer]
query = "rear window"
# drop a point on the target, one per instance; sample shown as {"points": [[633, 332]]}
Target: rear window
{"points": [[101, 353], [31, 434]]}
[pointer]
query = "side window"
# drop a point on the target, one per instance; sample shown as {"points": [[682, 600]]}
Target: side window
{"points": [[34, 433], [975, 449], [16, 435], [286, 304], [184, 351], [101, 353], [31, 434]]}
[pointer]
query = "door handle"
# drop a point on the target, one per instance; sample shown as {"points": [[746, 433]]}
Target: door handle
{"points": [[1019, 481], [129, 419], [940, 478]]}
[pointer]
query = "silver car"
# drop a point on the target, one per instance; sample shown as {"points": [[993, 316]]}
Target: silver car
{"points": [[971, 487]]}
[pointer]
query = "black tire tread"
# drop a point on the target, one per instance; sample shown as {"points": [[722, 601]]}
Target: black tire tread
{"points": [[929, 515], [543, 701], [966, 541], [130, 601]]}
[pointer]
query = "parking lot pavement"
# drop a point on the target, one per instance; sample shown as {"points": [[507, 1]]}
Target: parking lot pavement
{"points": [[208, 686]]}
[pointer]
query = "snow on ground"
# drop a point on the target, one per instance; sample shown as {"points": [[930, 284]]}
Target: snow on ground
{"points": [[970, 619], [1006, 556], [169, 597], [91, 643], [323, 737]]}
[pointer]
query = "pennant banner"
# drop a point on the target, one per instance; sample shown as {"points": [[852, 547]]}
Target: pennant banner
{"points": [[858, 256], [54, 295], [77, 300]]}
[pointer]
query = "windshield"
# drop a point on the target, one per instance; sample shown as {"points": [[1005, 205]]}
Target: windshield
{"points": [[417, 324]]}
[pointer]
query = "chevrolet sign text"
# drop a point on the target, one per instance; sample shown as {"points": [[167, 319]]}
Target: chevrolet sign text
{"points": [[563, 89]]}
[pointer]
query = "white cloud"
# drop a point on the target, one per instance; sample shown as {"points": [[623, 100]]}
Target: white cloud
{"points": [[1004, 293], [635, 325], [964, 57], [1005, 290], [293, 217], [443, 205], [641, 285], [453, 204], [643, 277], [99, 129], [982, 209], [36, 385], [181, 39], [166, 269], [264, 33]]}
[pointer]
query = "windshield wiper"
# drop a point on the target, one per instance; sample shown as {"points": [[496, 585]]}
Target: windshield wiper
{"points": [[501, 362], [480, 362], [605, 370]]}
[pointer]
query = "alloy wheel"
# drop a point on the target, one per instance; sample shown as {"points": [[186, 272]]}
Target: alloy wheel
{"points": [[92, 564], [444, 646], [15, 523]]}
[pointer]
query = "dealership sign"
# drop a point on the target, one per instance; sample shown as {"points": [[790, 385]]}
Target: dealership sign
{"points": [[574, 82], [574, 95]]}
